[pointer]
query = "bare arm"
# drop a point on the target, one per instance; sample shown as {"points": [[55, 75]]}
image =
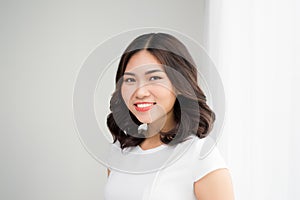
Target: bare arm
{"points": [[216, 185]]}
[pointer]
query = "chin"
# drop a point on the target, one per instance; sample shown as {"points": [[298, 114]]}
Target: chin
{"points": [[145, 121], [148, 118]]}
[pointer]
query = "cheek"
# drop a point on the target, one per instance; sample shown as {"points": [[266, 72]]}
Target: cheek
{"points": [[170, 98], [168, 91], [171, 101], [167, 96], [126, 93]]}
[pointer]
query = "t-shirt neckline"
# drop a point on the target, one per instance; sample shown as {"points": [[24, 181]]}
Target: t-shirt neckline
{"points": [[158, 148]]}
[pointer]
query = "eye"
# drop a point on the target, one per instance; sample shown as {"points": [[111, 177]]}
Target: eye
{"points": [[153, 78], [129, 80]]}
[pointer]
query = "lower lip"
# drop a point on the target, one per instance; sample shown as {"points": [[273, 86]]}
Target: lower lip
{"points": [[143, 109]]}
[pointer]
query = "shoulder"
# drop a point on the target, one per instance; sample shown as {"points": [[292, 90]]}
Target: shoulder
{"points": [[215, 185]]}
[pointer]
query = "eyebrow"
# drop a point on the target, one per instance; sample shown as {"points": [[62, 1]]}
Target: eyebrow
{"points": [[152, 71], [147, 72]]}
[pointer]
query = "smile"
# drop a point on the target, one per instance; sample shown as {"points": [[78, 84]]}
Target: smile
{"points": [[143, 106]]}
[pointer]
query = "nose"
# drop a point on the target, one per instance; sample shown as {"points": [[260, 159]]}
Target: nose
{"points": [[142, 91]]}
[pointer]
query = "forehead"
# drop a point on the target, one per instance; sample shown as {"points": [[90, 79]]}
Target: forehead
{"points": [[143, 60]]}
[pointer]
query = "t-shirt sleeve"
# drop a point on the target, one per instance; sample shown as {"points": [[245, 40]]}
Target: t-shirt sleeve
{"points": [[208, 163]]}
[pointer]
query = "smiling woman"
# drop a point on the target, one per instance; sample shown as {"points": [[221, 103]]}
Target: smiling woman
{"points": [[157, 88], [149, 95]]}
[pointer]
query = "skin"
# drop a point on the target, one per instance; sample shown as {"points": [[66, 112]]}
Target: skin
{"points": [[216, 185], [145, 80], [141, 87]]}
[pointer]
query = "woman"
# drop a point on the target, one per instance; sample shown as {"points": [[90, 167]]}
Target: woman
{"points": [[157, 105]]}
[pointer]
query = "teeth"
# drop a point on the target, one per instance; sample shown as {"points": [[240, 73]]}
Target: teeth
{"points": [[143, 105]]}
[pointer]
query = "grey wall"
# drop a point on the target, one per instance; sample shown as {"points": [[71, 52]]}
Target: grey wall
{"points": [[42, 46]]}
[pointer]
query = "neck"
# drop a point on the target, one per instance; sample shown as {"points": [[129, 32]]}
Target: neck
{"points": [[151, 142], [161, 125]]}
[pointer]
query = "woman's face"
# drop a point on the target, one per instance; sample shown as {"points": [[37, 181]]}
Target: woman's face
{"points": [[147, 91]]}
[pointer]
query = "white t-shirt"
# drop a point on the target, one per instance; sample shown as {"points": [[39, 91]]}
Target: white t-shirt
{"points": [[176, 181]]}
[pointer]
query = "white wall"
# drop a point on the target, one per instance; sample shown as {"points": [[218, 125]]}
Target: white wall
{"points": [[43, 44], [256, 46]]}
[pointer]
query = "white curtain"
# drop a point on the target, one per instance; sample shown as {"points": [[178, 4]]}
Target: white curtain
{"points": [[255, 45]]}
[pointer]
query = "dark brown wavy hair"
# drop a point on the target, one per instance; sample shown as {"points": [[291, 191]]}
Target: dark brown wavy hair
{"points": [[192, 114]]}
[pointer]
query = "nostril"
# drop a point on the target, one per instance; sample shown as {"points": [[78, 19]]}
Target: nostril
{"points": [[141, 92]]}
